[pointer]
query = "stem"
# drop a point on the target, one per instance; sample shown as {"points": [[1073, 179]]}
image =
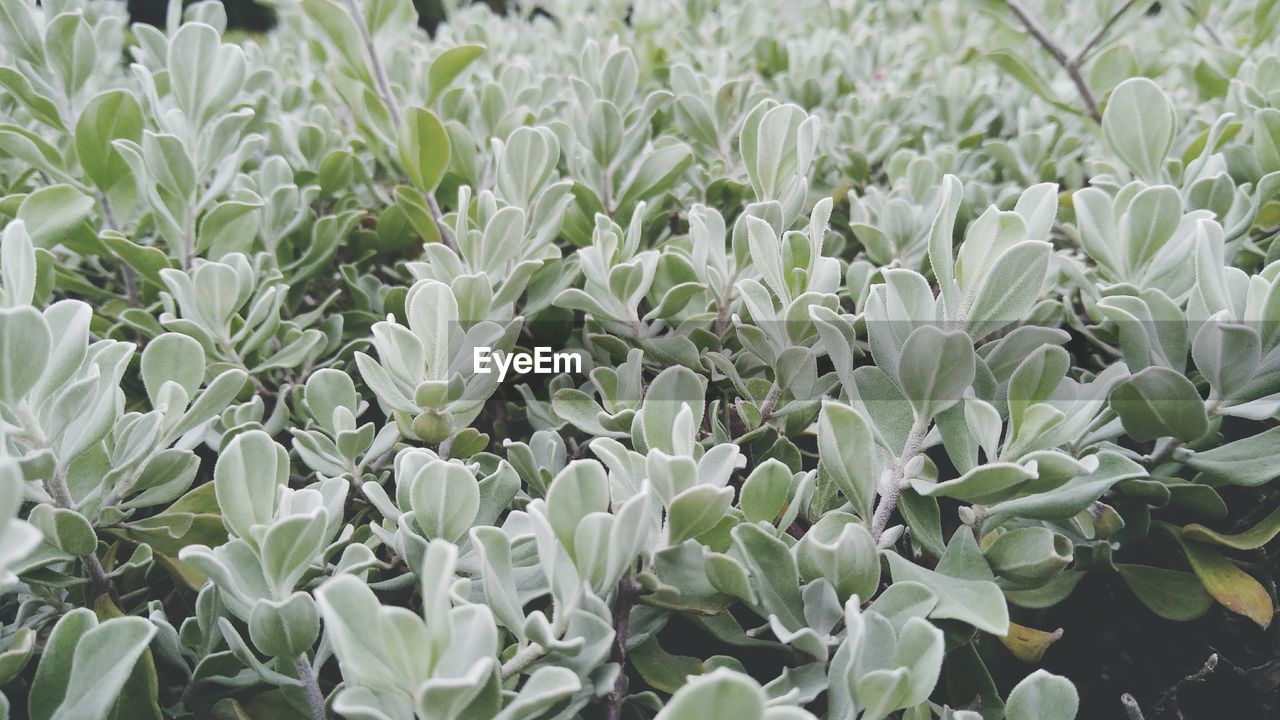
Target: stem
{"points": [[61, 494], [1163, 450], [1068, 64], [446, 235], [628, 591], [766, 408], [57, 488], [1081, 54], [525, 657], [315, 697], [375, 64], [892, 490]]}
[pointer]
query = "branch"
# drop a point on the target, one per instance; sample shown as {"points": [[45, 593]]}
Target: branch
{"points": [[1082, 54], [1073, 70], [628, 591], [1131, 708], [375, 64], [892, 489]]}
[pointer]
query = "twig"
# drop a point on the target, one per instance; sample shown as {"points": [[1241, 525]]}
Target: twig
{"points": [[1068, 64], [628, 591], [1082, 54], [1203, 22], [892, 489], [315, 697], [375, 64], [446, 235], [1170, 696], [1131, 707]]}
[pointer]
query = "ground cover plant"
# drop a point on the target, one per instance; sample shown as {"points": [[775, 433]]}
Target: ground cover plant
{"points": [[929, 361]]}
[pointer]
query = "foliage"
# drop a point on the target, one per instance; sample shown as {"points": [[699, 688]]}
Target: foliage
{"points": [[898, 320]]}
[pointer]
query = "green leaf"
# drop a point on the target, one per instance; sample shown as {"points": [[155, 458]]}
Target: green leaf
{"points": [[1171, 594], [447, 66], [53, 214], [773, 573], [1232, 587], [109, 116], [662, 670], [672, 389], [847, 454], [765, 491], [1158, 402], [578, 490], [424, 148], [1249, 462], [1255, 537]]}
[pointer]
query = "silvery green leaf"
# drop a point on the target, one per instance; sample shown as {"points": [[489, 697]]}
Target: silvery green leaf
{"points": [[172, 357], [935, 369], [1139, 126], [697, 510], [71, 50], [24, 351], [85, 665], [1043, 696], [445, 498], [204, 73], [285, 628], [719, 695], [17, 266], [246, 477], [963, 583]]}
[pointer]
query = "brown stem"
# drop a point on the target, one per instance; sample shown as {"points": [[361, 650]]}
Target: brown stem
{"points": [[628, 591], [1068, 64], [1083, 53], [770, 400]]}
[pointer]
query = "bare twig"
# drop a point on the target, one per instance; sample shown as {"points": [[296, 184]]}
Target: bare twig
{"points": [[1131, 707], [1071, 65], [1083, 53], [446, 235], [1170, 697]]}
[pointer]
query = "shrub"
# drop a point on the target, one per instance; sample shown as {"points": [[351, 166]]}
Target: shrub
{"points": [[886, 328]]}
